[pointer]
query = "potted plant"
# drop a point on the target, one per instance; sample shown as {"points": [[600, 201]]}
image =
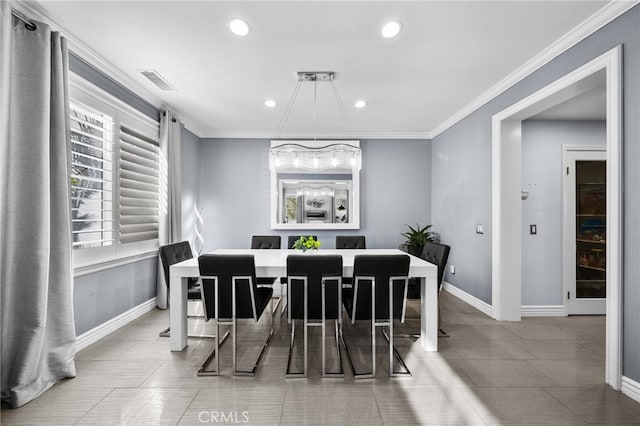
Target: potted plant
{"points": [[306, 243], [416, 239]]}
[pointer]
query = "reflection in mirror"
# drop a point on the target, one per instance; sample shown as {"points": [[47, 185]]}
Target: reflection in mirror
{"points": [[315, 184]]}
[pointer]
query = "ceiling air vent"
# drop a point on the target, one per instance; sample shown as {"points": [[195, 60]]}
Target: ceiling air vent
{"points": [[157, 79]]}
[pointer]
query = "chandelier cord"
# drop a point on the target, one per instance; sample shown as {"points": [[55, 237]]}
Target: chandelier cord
{"points": [[341, 106], [315, 111], [287, 110]]}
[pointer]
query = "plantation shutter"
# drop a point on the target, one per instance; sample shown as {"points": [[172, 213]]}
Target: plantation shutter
{"points": [[91, 177], [139, 186]]}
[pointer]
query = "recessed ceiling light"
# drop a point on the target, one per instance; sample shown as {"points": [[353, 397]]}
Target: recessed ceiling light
{"points": [[239, 27], [360, 104], [391, 29], [270, 103]]}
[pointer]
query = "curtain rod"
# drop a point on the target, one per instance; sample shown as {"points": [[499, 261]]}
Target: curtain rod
{"points": [[28, 22]]}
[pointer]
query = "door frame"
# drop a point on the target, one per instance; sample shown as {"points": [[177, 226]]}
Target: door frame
{"points": [[571, 153], [506, 263]]}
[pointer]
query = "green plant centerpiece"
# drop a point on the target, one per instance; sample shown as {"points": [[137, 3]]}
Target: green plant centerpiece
{"points": [[306, 243], [416, 239]]}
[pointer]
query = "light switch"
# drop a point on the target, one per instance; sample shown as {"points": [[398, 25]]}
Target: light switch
{"points": [[479, 229], [452, 269], [533, 229]]}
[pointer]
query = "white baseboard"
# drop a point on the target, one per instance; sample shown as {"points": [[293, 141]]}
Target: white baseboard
{"points": [[480, 305], [631, 388], [543, 311], [97, 333]]}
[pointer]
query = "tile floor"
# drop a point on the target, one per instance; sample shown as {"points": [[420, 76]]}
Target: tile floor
{"points": [[540, 371]]}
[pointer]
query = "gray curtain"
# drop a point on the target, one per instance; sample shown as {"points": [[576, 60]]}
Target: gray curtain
{"points": [[171, 215], [37, 325]]}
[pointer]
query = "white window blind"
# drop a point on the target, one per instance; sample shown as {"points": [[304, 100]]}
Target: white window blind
{"points": [[139, 186], [91, 177]]}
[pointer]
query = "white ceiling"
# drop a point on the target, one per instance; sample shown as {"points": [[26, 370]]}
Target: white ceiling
{"points": [[448, 54]]}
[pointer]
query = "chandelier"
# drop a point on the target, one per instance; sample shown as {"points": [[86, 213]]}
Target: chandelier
{"points": [[327, 155], [314, 155]]}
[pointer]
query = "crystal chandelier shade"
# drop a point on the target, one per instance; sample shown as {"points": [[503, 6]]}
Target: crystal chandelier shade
{"points": [[333, 156]]}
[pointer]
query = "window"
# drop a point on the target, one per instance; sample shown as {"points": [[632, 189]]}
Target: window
{"points": [[91, 177], [139, 187], [115, 177]]}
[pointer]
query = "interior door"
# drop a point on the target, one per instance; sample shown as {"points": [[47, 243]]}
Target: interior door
{"points": [[585, 248]]}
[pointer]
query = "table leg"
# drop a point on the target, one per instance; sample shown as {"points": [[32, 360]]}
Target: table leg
{"points": [[429, 314], [178, 312]]}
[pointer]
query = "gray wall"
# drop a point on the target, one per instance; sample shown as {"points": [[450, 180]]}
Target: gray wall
{"points": [[97, 77], [104, 295], [190, 154], [465, 150], [395, 183], [461, 199], [542, 175]]}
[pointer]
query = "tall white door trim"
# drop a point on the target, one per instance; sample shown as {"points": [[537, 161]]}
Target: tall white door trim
{"points": [[506, 200]]}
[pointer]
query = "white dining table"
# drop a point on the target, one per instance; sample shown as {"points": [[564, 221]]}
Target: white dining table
{"points": [[273, 263]]}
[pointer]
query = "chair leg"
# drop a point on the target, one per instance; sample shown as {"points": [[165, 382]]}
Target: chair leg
{"points": [[284, 303], [441, 333], [251, 372], [216, 353], [371, 374], [338, 333], [167, 333], [291, 374], [274, 308], [393, 353]]}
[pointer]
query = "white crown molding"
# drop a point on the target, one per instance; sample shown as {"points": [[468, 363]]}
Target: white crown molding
{"points": [[108, 327], [319, 135], [186, 123], [631, 388], [32, 10], [605, 15], [596, 21], [480, 305]]}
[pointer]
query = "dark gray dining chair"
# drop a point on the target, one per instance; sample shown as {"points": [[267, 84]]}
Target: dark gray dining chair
{"points": [[378, 295], [315, 296], [170, 254], [265, 242], [437, 254], [351, 242], [230, 293], [270, 242]]}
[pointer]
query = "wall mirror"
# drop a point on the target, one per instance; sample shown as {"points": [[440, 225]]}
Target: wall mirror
{"points": [[315, 184]]}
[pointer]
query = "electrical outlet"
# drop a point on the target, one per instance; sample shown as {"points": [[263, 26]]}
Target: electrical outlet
{"points": [[452, 269]]}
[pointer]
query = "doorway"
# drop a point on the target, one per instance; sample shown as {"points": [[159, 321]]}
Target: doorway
{"points": [[584, 230], [506, 197]]}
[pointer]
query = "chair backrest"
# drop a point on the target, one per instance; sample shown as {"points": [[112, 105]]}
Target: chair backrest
{"points": [[265, 242], [171, 254], [224, 267], [350, 242], [314, 267], [382, 267], [438, 254], [293, 238]]}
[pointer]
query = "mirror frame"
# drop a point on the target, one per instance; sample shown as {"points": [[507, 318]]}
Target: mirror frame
{"points": [[275, 196]]}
